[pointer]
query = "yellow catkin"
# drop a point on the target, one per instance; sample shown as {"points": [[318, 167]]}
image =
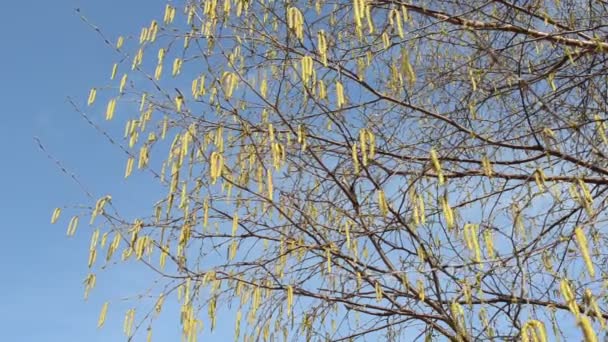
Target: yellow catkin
{"points": [[163, 257], [601, 128], [322, 46], [536, 330], [142, 101], [470, 233], [110, 109], [114, 70], [370, 23], [143, 35], [416, 214], [489, 240], [581, 239], [235, 224], [159, 303], [596, 309], [227, 6], [295, 21], [102, 315], [177, 67], [587, 328], [270, 185], [138, 59], [395, 21], [547, 262], [437, 166], [119, 42], [420, 289], [172, 15], [94, 239], [99, 207], [179, 101], [163, 133], [89, 282], [355, 158], [363, 145], [92, 96], [539, 178], [128, 322], [340, 100], [152, 31], [487, 166], [143, 157], [206, 212], [302, 137], [217, 164], [123, 83], [404, 13], [466, 291], [347, 233], [378, 290], [386, 40], [92, 257], [264, 88], [169, 14], [421, 209], [322, 90], [585, 190], [232, 250], [194, 88], [367, 142], [129, 167], [406, 67], [573, 193], [357, 11], [159, 66], [55, 216], [104, 239], [447, 212], [271, 136], [72, 226], [458, 314], [568, 295], [472, 79], [237, 328], [586, 199], [551, 78], [229, 82], [307, 69], [113, 246], [289, 299], [382, 204], [158, 72]]}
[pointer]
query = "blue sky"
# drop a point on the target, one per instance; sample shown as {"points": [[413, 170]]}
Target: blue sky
{"points": [[48, 54]]}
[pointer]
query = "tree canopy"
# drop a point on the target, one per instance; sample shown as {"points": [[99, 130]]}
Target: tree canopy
{"points": [[367, 169]]}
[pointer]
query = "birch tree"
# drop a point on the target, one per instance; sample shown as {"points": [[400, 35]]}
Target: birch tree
{"points": [[364, 170]]}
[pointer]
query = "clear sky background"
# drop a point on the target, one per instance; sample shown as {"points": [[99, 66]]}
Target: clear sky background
{"points": [[48, 54]]}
